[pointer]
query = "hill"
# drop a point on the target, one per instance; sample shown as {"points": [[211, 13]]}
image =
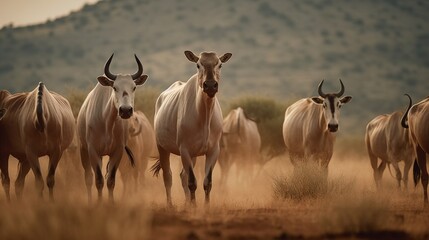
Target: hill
{"points": [[281, 49]]}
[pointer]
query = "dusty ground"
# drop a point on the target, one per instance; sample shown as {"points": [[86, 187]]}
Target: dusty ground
{"points": [[242, 210]]}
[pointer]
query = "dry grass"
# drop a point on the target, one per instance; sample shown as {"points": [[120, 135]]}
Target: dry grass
{"points": [[73, 220]]}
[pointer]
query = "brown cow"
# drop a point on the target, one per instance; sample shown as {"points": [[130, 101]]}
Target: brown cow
{"points": [[37, 123], [188, 122], [386, 140], [416, 118], [141, 141], [103, 127]]}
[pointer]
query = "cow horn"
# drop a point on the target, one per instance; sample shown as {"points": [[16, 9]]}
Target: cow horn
{"points": [[319, 90], [107, 71], [139, 71], [341, 92]]}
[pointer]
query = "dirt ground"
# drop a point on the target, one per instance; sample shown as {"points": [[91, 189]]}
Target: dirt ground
{"points": [[243, 209]]}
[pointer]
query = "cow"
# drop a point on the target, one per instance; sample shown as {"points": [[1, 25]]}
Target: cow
{"points": [[141, 141], [240, 144], [188, 122], [102, 125], [310, 125], [388, 141], [37, 123], [416, 119]]}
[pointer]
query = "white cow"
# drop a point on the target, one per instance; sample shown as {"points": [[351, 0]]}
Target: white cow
{"points": [[309, 127], [37, 123], [103, 126], [387, 140], [416, 118], [240, 144], [141, 141], [188, 122]]}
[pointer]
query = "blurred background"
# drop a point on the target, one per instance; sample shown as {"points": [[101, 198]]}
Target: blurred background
{"points": [[281, 50]]}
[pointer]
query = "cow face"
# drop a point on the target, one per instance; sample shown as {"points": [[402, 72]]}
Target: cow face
{"points": [[208, 67], [331, 103], [124, 87]]}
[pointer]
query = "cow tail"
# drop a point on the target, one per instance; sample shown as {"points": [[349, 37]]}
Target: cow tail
{"points": [[416, 172], [130, 156], [156, 168], [40, 124], [404, 120]]}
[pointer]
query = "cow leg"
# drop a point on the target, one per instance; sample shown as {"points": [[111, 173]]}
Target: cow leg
{"points": [[24, 168], [225, 166], [407, 168], [189, 171], [113, 165], [374, 164], [164, 158], [4, 169], [184, 179], [211, 158], [379, 173], [397, 172], [50, 179], [33, 160], [86, 164], [96, 163], [421, 160]]}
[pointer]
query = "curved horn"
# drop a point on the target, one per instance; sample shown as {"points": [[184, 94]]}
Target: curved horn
{"points": [[107, 71], [319, 90], [341, 92], [139, 71], [404, 120]]}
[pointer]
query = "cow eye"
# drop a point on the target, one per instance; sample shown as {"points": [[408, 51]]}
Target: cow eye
{"points": [[324, 105], [220, 65], [114, 89], [134, 88], [198, 66]]}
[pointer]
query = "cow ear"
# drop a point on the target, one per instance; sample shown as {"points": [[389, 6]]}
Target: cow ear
{"points": [[317, 100], [225, 57], [345, 99], [140, 80], [191, 56], [105, 81]]}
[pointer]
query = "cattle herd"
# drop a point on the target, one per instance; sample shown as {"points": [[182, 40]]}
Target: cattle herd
{"points": [[188, 122]]}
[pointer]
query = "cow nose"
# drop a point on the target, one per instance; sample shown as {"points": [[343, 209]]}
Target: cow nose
{"points": [[333, 127], [210, 87], [125, 112]]}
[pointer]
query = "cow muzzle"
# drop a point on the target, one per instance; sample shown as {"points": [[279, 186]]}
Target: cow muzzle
{"points": [[125, 112], [210, 88], [333, 127]]}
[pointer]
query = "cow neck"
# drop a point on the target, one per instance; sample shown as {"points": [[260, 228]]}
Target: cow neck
{"points": [[205, 107], [110, 113]]}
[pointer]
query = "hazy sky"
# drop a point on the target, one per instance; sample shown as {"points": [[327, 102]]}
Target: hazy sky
{"points": [[26, 12]]}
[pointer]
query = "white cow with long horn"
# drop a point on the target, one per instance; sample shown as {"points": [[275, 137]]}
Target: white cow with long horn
{"points": [[103, 126]]}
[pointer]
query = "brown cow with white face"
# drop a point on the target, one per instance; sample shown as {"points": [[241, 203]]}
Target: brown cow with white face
{"points": [[37, 123], [309, 127], [416, 119], [103, 127], [188, 122]]}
